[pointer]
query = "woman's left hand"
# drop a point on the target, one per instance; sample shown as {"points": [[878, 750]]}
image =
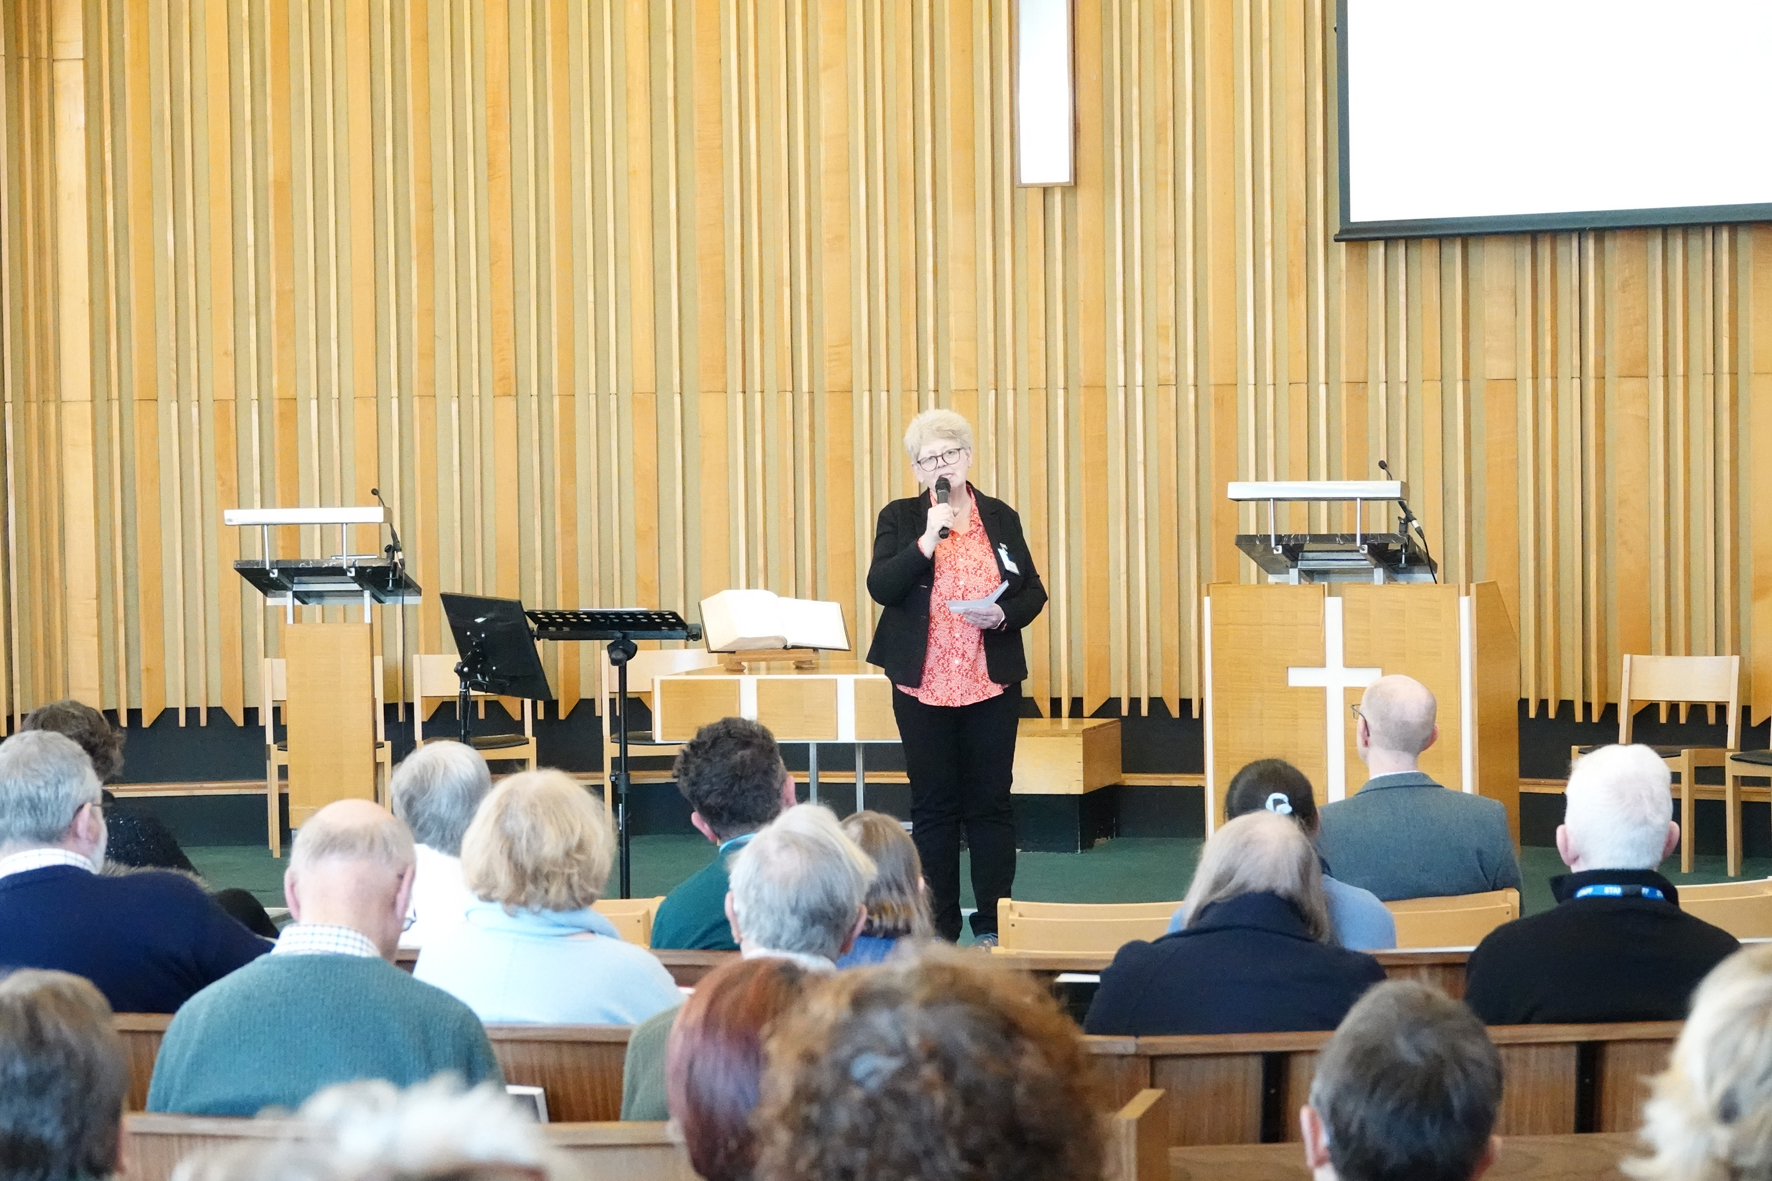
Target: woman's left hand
{"points": [[983, 617]]}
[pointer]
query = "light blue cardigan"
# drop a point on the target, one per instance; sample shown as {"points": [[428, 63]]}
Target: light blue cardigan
{"points": [[548, 967]]}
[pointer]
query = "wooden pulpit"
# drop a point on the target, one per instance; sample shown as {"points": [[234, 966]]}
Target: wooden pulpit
{"points": [[331, 712], [1285, 662]]}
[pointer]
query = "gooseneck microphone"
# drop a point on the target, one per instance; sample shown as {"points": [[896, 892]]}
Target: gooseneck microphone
{"points": [[396, 552], [942, 488]]}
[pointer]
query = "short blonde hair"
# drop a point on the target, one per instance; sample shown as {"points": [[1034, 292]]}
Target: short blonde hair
{"points": [[540, 841], [1260, 852], [1709, 1115], [936, 424]]}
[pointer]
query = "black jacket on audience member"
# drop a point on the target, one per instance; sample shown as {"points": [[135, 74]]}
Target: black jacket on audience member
{"points": [[1595, 959], [1248, 966]]}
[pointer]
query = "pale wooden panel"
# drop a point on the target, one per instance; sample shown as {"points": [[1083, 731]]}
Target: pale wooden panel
{"points": [[1066, 756], [1258, 715], [798, 709], [581, 284], [874, 719], [1409, 629], [331, 712], [685, 705]]}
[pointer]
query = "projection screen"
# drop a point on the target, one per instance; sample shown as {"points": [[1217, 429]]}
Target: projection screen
{"points": [[1515, 115]]}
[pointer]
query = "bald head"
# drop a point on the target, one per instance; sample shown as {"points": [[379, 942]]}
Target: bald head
{"points": [[352, 867], [1398, 716]]}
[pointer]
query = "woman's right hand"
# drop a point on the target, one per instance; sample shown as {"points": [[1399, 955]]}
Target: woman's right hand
{"points": [[941, 516]]}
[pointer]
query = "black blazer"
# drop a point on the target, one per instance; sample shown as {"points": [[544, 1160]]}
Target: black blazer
{"points": [[1248, 966], [1595, 959], [901, 577]]}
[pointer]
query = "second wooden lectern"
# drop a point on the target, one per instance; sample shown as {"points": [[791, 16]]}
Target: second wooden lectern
{"points": [[1286, 660]]}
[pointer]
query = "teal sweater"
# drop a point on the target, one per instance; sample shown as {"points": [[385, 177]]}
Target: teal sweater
{"points": [[693, 916], [286, 1026]]}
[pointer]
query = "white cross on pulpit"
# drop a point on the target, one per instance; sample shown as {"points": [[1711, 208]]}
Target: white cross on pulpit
{"points": [[1332, 678]]}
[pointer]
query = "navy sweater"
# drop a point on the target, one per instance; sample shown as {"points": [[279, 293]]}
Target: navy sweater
{"points": [[147, 940]]}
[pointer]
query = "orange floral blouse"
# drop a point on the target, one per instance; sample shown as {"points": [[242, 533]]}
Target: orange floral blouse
{"points": [[954, 670]]}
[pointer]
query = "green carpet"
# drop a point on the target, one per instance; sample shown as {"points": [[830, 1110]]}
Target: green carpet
{"points": [[1126, 870]]}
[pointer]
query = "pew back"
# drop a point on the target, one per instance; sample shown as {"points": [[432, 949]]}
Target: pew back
{"points": [[141, 1034], [1524, 1158], [578, 1067], [153, 1145], [1246, 1088]]}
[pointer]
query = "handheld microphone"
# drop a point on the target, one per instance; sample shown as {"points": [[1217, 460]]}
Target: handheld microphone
{"points": [[942, 488], [395, 550]]}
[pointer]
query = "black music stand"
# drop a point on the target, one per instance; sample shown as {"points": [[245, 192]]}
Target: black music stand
{"points": [[497, 656], [621, 626]]}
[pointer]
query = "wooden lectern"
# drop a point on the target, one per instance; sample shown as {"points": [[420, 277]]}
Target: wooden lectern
{"points": [[330, 670], [1286, 660]]}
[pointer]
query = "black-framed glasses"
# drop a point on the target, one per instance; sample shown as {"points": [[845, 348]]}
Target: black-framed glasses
{"points": [[1355, 706], [930, 462]]}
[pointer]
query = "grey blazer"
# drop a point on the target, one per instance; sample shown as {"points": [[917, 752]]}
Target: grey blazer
{"points": [[1405, 836]]}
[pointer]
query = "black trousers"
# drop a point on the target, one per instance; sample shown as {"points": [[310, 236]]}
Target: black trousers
{"points": [[960, 761]]}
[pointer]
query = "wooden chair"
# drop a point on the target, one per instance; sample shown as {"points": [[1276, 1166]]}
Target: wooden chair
{"points": [[646, 666], [1458, 920], [275, 696], [1683, 680], [1744, 909], [1073, 927], [434, 682], [632, 917]]}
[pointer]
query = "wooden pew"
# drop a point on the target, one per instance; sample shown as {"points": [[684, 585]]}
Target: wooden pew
{"points": [[153, 1145], [1441, 967], [578, 1067], [1136, 1140], [141, 1034], [1244, 1088], [1588, 1157]]}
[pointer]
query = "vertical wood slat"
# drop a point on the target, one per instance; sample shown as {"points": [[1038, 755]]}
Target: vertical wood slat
{"points": [[329, 245]]}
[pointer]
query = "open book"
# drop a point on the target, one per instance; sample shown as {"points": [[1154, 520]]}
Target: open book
{"points": [[751, 620]]}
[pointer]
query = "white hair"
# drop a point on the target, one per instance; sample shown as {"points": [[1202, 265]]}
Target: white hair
{"points": [[45, 778], [1618, 806], [372, 1129], [351, 834], [800, 884], [435, 790], [936, 424]]}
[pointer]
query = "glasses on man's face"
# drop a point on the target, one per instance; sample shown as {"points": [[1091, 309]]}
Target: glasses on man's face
{"points": [[1355, 706], [930, 462]]}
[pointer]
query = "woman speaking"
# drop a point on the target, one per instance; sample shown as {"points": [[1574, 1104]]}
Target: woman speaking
{"points": [[957, 584]]}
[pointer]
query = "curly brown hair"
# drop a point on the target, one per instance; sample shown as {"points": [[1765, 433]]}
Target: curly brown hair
{"points": [[102, 742], [939, 1066]]}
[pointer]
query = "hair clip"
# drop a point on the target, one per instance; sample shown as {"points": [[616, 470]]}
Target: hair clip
{"points": [[1279, 804]]}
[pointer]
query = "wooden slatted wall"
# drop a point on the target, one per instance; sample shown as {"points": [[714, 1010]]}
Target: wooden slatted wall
{"points": [[626, 301]]}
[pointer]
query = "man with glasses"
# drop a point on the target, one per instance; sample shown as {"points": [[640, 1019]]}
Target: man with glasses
{"points": [[1403, 835]]}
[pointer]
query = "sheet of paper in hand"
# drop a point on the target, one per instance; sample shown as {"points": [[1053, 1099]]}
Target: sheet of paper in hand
{"points": [[961, 606]]}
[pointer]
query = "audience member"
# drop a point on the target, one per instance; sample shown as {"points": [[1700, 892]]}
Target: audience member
{"points": [[936, 1065], [1403, 835], [63, 1077], [1255, 956], [1709, 1114], [898, 901], [136, 838], [1616, 947], [1406, 1090], [435, 790], [372, 1131], [714, 1061], [148, 940], [531, 948], [1357, 919], [799, 892], [328, 1005], [732, 775]]}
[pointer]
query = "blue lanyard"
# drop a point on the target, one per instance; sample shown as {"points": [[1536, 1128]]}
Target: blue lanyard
{"points": [[1621, 892]]}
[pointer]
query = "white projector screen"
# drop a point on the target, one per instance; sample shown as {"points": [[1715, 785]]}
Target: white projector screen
{"points": [[1515, 115]]}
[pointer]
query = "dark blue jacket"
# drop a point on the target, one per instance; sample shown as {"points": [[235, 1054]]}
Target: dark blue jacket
{"points": [[147, 940], [1248, 966]]}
